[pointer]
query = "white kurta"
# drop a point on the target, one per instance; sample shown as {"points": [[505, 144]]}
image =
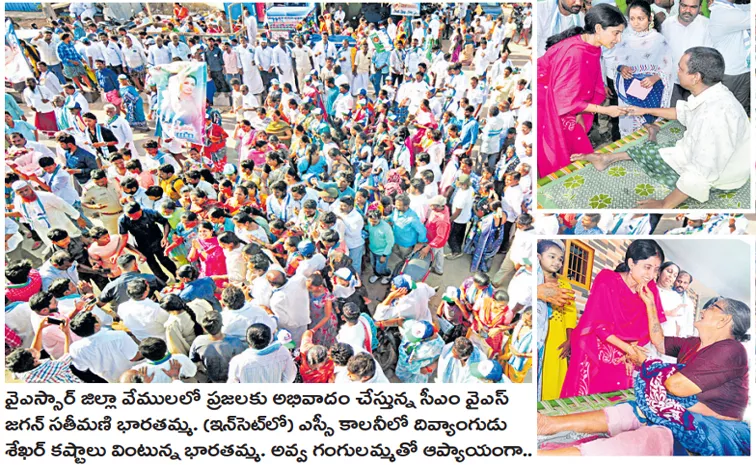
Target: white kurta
{"points": [[714, 153], [284, 68], [251, 75], [413, 305]]}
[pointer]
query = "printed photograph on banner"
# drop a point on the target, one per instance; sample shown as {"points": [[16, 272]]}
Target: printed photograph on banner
{"points": [[269, 193], [643, 346], [644, 224], [644, 105]]}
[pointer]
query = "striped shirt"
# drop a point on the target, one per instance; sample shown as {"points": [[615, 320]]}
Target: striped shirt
{"points": [[51, 371]]}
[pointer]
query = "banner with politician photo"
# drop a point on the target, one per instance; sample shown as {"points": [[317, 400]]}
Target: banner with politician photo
{"points": [[181, 99]]}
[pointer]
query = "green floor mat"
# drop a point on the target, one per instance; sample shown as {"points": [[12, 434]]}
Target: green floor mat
{"points": [[623, 184]]}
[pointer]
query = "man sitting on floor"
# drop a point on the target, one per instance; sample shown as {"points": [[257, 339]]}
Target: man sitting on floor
{"points": [[714, 153]]}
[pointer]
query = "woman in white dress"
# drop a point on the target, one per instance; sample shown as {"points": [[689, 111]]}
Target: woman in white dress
{"points": [[640, 64]]}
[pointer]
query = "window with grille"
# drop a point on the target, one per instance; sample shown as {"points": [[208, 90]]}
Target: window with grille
{"points": [[578, 264]]}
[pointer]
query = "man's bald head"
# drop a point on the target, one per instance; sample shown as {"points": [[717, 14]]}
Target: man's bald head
{"points": [[276, 278]]}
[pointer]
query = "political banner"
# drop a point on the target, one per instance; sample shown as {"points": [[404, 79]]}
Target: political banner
{"points": [[405, 9], [182, 88], [17, 67], [377, 42]]}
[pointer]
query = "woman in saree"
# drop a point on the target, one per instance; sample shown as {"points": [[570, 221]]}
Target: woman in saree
{"points": [[518, 349], [487, 238], [457, 41], [316, 366], [492, 316], [424, 122], [181, 238], [239, 199], [418, 352], [132, 104], [614, 320], [697, 402], [561, 323], [207, 250], [278, 127], [643, 55], [571, 87]]}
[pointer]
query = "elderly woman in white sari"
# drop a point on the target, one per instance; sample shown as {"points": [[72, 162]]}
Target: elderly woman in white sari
{"points": [[642, 67]]}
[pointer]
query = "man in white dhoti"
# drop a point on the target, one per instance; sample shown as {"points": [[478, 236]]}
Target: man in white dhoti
{"points": [[362, 61], [250, 74], [282, 62]]}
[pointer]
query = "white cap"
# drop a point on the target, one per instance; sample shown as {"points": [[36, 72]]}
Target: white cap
{"points": [[19, 185], [696, 216]]}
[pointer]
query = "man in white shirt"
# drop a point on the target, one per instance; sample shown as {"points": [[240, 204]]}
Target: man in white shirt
{"points": [[105, 353], [513, 197], [250, 22], [687, 29], [354, 224], [157, 53], [48, 79], [730, 30], [323, 50], [238, 315], [141, 315], [290, 302], [461, 213], [344, 103], [39, 99], [555, 16], [282, 62], [93, 51], [264, 62], [714, 152], [113, 55], [391, 29], [45, 211], [263, 362], [178, 49], [303, 57], [47, 46]]}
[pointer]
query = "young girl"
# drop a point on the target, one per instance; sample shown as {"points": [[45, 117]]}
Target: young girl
{"points": [[221, 220], [236, 266], [324, 324], [561, 323]]}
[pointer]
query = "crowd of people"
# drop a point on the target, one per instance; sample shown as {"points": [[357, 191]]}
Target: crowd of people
{"points": [[641, 329], [648, 62], [366, 162]]}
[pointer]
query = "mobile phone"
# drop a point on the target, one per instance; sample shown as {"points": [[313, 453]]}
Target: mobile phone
{"points": [[54, 321]]}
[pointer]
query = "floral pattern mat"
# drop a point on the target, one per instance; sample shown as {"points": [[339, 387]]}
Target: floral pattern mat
{"points": [[579, 186]]}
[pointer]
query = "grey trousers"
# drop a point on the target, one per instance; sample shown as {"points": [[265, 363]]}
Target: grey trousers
{"points": [[740, 86], [505, 274]]}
